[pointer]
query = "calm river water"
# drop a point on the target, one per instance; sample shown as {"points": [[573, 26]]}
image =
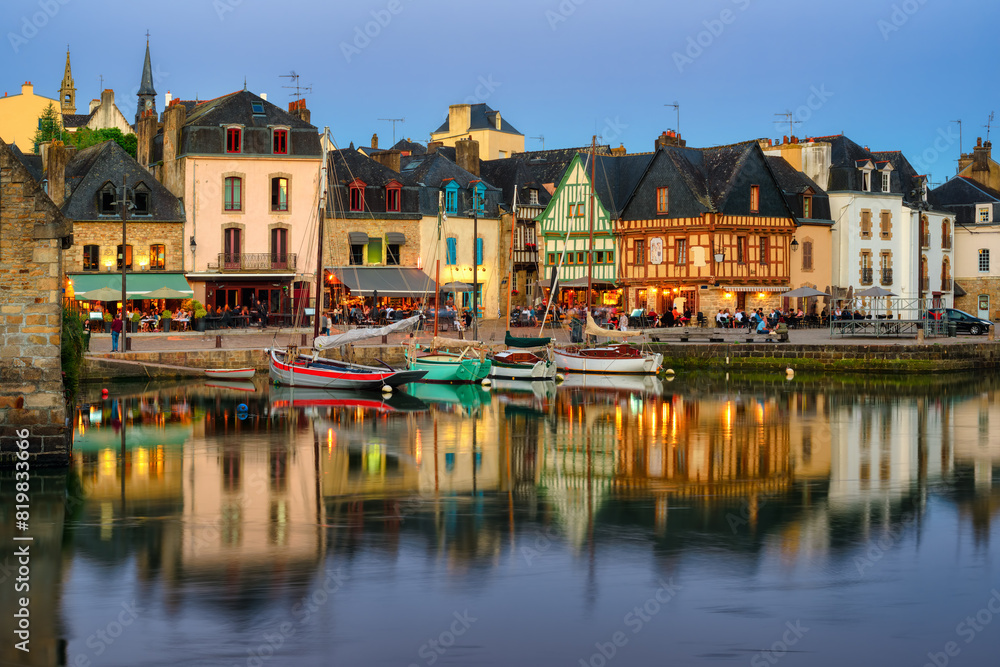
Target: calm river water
{"points": [[703, 521]]}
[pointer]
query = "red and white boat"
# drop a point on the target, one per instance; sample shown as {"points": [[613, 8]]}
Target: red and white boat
{"points": [[608, 359], [306, 371], [230, 373]]}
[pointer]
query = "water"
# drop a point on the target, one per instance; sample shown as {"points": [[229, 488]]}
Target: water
{"points": [[753, 520]]}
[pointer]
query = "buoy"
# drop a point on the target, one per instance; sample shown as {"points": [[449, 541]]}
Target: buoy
{"points": [[242, 407], [560, 377], [789, 373], [104, 393], [386, 389], [486, 382], [669, 371]]}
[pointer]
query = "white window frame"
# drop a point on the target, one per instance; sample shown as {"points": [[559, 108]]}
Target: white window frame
{"points": [[885, 181], [984, 260], [984, 208], [866, 179]]}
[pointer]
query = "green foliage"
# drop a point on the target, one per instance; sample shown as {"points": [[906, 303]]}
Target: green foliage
{"points": [[200, 312], [166, 314], [50, 128], [85, 137], [72, 350], [137, 316], [107, 316]]}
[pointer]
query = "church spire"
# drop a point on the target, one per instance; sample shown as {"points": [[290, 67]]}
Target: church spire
{"points": [[146, 94], [67, 92]]}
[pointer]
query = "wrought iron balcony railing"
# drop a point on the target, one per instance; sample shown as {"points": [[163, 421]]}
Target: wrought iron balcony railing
{"points": [[257, 261], [866, 276], [886, 276]]}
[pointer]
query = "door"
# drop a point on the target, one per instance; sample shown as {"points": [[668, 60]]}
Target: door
{"points": [[984, 306], [233, 248]]}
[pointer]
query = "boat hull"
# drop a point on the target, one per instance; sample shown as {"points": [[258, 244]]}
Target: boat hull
{"points": [[576, 362], [230, 374], [303, 372], [540, 370], [451, 368]]}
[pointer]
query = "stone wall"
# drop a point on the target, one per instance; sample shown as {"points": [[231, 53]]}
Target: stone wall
{"points": [[32, 235], [989, 285], [140, 235], [337, 249]]}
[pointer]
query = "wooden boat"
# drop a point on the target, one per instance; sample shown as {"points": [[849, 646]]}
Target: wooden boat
{"points": [[235, 385], [289, 397], [608, 359], [230, 373], [449, 367], [305, 371], [521, 364]]}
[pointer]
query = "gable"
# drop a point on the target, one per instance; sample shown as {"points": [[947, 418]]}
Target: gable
{"points": [[574, 189]]}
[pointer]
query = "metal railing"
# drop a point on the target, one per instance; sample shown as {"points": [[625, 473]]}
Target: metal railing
{"points": [[886, 278], [257, 261], [946, 284], [866, 276]]}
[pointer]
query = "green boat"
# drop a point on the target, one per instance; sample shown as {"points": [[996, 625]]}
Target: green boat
{"points": [[447, 367]]}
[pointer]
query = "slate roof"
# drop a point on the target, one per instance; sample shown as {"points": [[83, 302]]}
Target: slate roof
{"points": [[236, 108], [616, 178], [347, 165], [481, 117], [146, 84], [91, 168], [430, 172], [960, 195], [903, 175], [77, 119], [412, 146], [31, 162], [794, 184], [532, 171]]}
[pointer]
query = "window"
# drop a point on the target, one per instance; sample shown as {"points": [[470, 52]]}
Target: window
{"points": [[279, 248], [662, 201], [157, 257], [866, 224], [599, 257], [451, 198], [279, 194], [886, 267], [885, 225], [866, 180], [983, 213], [232, 247], [141, 200], [106, 200], [357, 254], [234, 193], [572, 210], [610, 256], [946, 234], [885, 181], [234, 140], [580, 259], [866, 268], [807, 206], [279, 142], [392, 197], [754, 198], [357, 196], [374, 250], [807, 256], [640, 252], [451, 256], [479, 252], [763, 250], [925, 233], [533, 197], [479, 197], [741, 250], [581, 209], [570, 258], [392, 254], [552, 259], [91, 258], [128, 257], [681, 252], [984, 260], [257, 108]]}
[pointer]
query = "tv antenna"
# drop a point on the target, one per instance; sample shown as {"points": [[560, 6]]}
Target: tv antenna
{"points": [[788, 116], [989, 121], [299, 90], [394, 121], [541, 137], [677, 108]]}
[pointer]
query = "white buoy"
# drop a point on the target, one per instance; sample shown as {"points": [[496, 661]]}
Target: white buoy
{"points": [[386, 389], [789, 373], [669, 371], [560, 377], [486, 382]]}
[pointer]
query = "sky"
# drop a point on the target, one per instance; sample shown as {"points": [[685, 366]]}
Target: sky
{"points": [[890, 74]]}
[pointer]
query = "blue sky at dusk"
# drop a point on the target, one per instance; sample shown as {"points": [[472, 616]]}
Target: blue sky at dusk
{"points": [[889, 74]]}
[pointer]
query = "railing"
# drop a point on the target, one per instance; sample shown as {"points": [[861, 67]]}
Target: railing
{"points": [[866, 276], [946, 284], [257, 261], [527, 255], [925, 240], [886, 276]]}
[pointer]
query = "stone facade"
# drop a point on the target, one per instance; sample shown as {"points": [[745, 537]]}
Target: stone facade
{"points": [[337, 249], [976, 287], [140, 235], [32, 235]]}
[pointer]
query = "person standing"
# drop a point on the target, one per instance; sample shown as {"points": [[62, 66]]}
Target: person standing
{"points": [[116, 330]]}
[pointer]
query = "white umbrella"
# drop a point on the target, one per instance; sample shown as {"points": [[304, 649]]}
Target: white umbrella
{"points": [[803, 293]]}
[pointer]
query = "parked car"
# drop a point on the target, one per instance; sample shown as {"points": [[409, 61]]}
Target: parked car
{"points": [[965, 322]]}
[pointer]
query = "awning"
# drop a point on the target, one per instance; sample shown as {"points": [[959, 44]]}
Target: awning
{"points": [[357, 238], [387, 280], [136, 284], [395, 238], [959, 291], [755, 288]]}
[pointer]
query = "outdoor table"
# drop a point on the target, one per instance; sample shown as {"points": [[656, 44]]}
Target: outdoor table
{"points": [[183, 323]]}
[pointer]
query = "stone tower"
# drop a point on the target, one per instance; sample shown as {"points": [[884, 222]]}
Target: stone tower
{"points": [[146, 94], [67, 92]]}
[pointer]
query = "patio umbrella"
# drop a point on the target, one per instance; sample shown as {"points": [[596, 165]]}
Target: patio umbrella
{"points": [[875, 290], [163, 293], [456, 287], [803, 293], [100, 294]]}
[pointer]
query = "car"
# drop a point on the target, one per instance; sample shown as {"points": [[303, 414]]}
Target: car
{"points": [[965, 322]]}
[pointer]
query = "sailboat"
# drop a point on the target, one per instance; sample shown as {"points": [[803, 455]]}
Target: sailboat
{"points": [[615, 358]]}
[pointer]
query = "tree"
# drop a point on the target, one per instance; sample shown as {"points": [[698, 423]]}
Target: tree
{"points": [[85, 137], [49, 127]]}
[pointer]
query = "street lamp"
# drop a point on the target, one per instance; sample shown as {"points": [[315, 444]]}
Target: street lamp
{"points": [[795, 245], [476, 199], [125, 201]]}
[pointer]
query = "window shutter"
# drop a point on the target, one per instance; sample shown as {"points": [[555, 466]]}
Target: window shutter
{"points": [[479, 252], [452, 251]]}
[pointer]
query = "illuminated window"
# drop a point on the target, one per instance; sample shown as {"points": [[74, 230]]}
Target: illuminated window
{"points": [[754, 198], [662, 201]]}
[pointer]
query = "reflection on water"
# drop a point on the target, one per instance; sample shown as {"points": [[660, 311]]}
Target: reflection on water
{"points": [[248, 525]]}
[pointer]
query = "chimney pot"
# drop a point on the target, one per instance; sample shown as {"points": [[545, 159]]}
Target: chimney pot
{"points": [[467, 155], [390, 159], [375, 141]]}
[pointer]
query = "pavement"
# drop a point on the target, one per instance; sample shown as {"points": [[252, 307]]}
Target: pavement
{"points": [[490, 331]]}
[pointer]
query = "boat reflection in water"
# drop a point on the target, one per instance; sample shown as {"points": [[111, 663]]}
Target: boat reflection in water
{"points": [[521, 507]]}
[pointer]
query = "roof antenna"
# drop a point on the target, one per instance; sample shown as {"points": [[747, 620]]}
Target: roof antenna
{"points": [[677, 108], [989, 122], [789, 116], [299, 90], [541, 137], [394, 121], [244, 82]]}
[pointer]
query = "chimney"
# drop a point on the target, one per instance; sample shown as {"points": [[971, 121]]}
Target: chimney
{"points": [[145, 132], [107, 98], [981, 157], [459, 118], [375, 142], [390, 159], [433, 146], [263, 96], [173, 120], [670, 138], [27, 88], [298, 109], [166, 99], [619, 151], [93, 105], [56, 158], [467, 153]]}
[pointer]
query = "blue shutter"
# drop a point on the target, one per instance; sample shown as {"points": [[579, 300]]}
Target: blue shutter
{"points": [[452, 251], [479, 252]]}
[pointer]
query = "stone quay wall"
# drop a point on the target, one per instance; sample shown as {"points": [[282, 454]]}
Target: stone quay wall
{"points": [[33, 234]]}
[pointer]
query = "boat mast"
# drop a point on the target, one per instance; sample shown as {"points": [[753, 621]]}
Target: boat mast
{"points": [[590, 247], [319, 249], [510, 261], [437, 267]]}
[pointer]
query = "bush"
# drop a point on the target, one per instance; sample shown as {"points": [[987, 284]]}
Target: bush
{"points": [[166, 314], [137, 316], [200, 312], [72, 351], [107, 316]]}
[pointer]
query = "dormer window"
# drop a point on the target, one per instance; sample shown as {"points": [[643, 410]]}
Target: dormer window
{"points": [[393, 192], [533, 197], [451, 197], [106, 200], [141, 200], [754, 198], [357, 195], [662, 201], [279, 141], [234, 140], [983, 213], [807, 206], [885, 181], [479, 192]]}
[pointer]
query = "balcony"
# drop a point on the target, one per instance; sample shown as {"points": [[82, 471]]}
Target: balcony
{"points": [[256, 262], [946, 243], [866, 276], [886, 276], [527, 254], [946, 284], [925, 240]]}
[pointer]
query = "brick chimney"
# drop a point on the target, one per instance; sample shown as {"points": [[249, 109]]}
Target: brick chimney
{"points": [[107, 98], [433, 146], [981, 158], [390, 159], [298, 109], [145, 133], [375, 142], [172, 172], [459, 118], [93, 105], [467, 155], [56, 157], [668, 138]]}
